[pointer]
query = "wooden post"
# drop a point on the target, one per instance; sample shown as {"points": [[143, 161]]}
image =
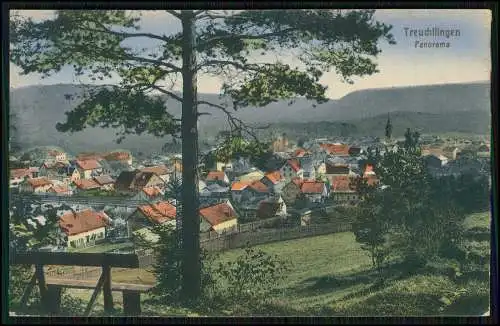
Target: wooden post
{"points": [[131, 303], [42, 286], [97, 290], [54, 299], [108, 297]]}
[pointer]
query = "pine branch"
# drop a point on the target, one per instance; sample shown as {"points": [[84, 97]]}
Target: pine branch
{"points": [[234, 37]]}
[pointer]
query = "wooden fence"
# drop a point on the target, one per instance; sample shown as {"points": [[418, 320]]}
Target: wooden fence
{"points": [[218, 242], [244, 227], [239, 240]]}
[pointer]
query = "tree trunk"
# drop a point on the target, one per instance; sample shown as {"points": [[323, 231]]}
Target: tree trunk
{"points": [[190, 232]]}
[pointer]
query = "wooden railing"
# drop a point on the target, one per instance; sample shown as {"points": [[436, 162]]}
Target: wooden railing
{"points": [[50, 290]]}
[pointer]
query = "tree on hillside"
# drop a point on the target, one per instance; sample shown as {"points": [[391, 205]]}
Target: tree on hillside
{"points": [[388, 128], [216, 43], [411, 215]]}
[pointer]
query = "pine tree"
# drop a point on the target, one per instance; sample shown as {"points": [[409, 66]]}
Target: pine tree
{"points": [[93, 42], [388, 128]]}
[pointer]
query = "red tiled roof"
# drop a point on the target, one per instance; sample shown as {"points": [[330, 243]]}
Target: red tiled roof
{"points": [[159, 213], [215, 176], [83, 221], [19, 173], [86, 184], [117, 156], [259, 186], [89, 156], [312, 187], [159, 170], [151, 191], [342, 184], [60, 189], [238, 185], [336, 149], [218, 214], [294, 164], [300, 152], [298, 181], [88, 164], [274, 176], [39, 182]]}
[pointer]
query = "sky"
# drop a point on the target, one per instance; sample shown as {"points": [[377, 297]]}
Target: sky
{"points": [[467, 59]]}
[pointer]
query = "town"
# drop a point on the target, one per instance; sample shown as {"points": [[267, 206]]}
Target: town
{"points": [[115, 195], [230, 163]]}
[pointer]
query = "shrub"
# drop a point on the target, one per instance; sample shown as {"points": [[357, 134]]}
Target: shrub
{"points": [[250, 277]]}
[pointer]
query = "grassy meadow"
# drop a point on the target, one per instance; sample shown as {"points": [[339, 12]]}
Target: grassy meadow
{"points": [[332, 276]]}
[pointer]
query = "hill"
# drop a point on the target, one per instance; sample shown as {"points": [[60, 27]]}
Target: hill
{"points": [[465, 122], [39, 108]]}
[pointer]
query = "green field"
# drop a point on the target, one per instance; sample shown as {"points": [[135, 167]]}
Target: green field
{"points": [[104, 247], [332, 276]]}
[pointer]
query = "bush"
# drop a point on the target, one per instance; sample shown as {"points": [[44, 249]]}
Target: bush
{"points": [[250, 277]]}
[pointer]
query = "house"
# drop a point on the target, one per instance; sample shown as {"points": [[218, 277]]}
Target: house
{"points": [[336, 149], [321, 169], [217, 191], [106, 182], [88, 168], [217, 177], [146, 216], [54, 170], [160, 170], [60, 171], [149, 194], [84, 228], [337, 169], [237, 189], [300, 153], [280, 144], [86, 185], [343, 190], [451, 152], [18, 175], [309, 169], [274, 181], [120, 157], [134, 181], [57, 156], [220, 218], [292, 169], [255, 189], [251, 175], [222, 166], [89, 156], [60, 190], [35, 185], [314, 192]]}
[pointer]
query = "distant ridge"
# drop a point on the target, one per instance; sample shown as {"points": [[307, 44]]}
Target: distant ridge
{"points": [[39, 108]]}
